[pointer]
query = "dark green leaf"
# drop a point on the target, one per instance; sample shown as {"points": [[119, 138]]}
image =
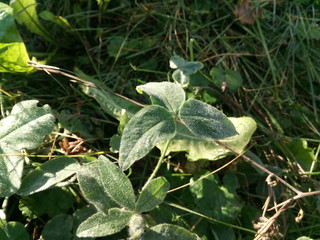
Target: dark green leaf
{"points": [[115, 143], [232, 78], [147, 128], [59, 227], [214, 200], [51, 202], [13, 231], [152, 194], [206, 121]]}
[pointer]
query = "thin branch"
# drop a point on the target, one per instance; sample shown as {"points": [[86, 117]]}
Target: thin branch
{"points": [[260, 167], [51, 69]]}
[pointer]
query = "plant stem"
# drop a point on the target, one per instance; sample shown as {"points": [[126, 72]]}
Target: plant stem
{"points": [[156, 169]]}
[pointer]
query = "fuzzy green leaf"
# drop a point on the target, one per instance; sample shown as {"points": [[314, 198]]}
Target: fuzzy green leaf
{"points": [[104, 184], [197, 148], [24, 128], [13, 52], [147, 128], [206, 121], [168, 231], [101, 224], [48, 174], [152, 194], [165, 94]]}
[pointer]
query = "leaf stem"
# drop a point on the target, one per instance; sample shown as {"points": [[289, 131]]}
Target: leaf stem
{"points": [[156, 169]]}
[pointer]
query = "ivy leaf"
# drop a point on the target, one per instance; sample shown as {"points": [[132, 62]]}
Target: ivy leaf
{"points": [[100, 224], [205, 120], [24, 128], [48, 174], [165, 94], [168, 231], [152, 194], [104, 184], [13, 52], [144, 130], [183, 69]]}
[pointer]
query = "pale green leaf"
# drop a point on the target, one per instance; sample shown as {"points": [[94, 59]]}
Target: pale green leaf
{"points": [[24, 128], [11, 167], [197, 148], [183, 70], [13, 231], [48, 174], [147, 128], [165, 94], [26, 14], [13, 52], [168, 232], [101, 224], [205, 121], [181, 78], [152, 194], [176, 62], [26, 125], [104, 184], [191, 67]]}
